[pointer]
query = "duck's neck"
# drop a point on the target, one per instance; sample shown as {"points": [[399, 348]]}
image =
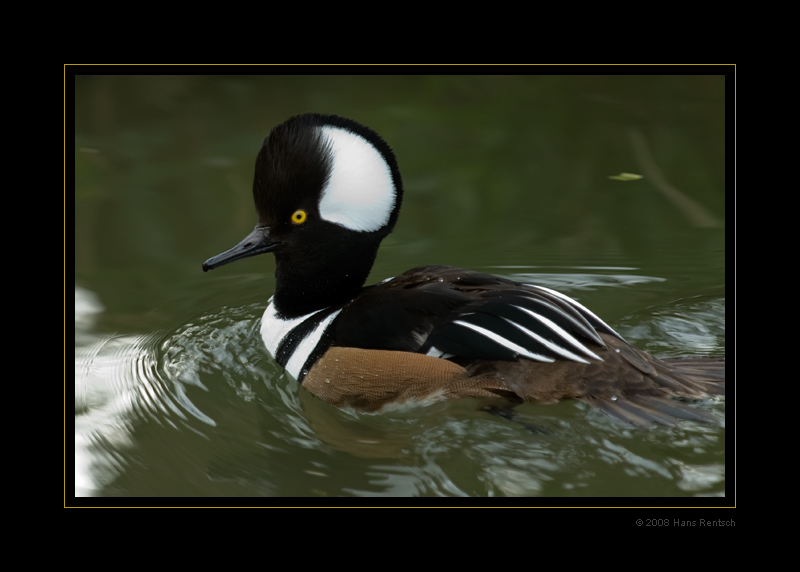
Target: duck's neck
{"points": [[302, 287]]}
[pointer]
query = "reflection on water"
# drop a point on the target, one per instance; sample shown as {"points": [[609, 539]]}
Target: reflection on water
{"points": [[201, 409], [692, 325], [575, 281], [102, 399]]}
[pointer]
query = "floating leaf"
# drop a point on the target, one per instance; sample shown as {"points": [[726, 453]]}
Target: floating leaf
{"points": [[625, 177]]}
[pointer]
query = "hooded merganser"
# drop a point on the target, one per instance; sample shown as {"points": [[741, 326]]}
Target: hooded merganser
{"points": [[327, 190]]}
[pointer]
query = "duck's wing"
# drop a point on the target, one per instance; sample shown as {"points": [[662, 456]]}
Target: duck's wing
{"points": [[452, 312]]}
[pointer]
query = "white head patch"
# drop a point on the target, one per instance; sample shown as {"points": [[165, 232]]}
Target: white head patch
{"points": [[360, 194]]}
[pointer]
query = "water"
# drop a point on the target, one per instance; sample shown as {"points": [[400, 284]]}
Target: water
{"points": [[175, 394]]}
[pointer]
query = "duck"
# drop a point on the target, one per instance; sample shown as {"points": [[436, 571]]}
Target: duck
{"points": [[327, 190]]}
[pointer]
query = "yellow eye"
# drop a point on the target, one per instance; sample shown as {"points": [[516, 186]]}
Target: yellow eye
{"points": [[299, 216]]}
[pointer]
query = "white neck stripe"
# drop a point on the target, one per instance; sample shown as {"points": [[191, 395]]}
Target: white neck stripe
{"points": [[301, 352], [274, 330]]}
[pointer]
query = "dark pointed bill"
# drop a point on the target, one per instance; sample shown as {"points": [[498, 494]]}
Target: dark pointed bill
{"points": [[257, 242]]}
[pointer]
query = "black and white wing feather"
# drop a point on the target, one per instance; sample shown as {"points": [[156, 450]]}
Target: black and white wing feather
{"points": [[451, 312]]}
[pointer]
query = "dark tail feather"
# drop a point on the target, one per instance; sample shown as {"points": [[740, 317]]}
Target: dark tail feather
{"points": [[675, 409], [645, 410], [632, 413], [707, 373]]}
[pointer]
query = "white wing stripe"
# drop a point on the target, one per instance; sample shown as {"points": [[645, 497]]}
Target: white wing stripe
{"points": [[566, 336], [580, 322], [577, 305], [504, 342]]}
